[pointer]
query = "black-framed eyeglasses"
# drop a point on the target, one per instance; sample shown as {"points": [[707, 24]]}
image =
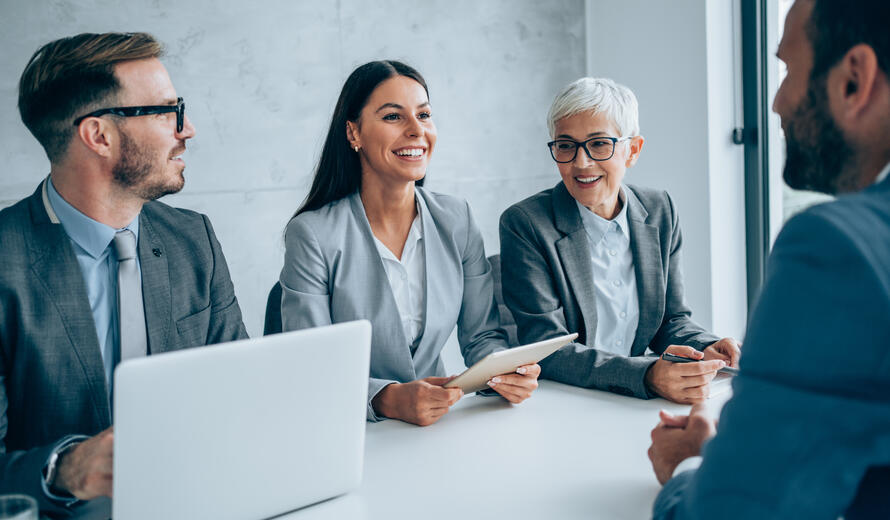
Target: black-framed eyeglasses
{"points": [[597, 148], [179, 108]]}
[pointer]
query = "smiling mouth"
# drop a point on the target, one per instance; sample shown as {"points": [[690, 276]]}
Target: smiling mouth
{"points": [[176, 155], [410, 152], [588, 180]]}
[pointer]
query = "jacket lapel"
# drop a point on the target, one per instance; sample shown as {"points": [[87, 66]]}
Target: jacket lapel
{"points": [[388, 323], [155, 286], [574, 254], [644, 245], [441, 271], [54, 263]]}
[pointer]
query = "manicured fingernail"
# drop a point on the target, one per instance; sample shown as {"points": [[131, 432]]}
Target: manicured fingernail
{"points": [[491, 383], [495, 380], [521, 370]]}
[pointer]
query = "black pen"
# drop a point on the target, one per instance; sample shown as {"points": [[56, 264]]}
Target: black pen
{"points": [[680, 359]]}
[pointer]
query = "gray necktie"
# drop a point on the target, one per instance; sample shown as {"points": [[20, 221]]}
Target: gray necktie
{"points": [[131, 313]]}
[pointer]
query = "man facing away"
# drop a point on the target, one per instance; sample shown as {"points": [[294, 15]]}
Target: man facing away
{"points": [[94, 270], [807, 432]]}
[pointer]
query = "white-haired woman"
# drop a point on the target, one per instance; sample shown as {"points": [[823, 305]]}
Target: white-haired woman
{"points": [[602, 258]]}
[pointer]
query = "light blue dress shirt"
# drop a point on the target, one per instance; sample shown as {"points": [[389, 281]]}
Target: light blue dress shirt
{"points": [[95, 255], [614, 282]]}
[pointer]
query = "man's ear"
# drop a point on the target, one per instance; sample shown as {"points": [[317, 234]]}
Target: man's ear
{"points": [[97, 135], [635, 147], [851, 84]]}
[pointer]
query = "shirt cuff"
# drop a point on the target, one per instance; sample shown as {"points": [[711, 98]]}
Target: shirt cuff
{"points": [[687, 464], [66, 500]]}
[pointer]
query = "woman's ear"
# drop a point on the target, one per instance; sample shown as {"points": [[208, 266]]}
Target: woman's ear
{"points": [[635, 147], [352, 135]]}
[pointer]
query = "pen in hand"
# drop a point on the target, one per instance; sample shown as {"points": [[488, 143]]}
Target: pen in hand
{"points": [[680, 359]]}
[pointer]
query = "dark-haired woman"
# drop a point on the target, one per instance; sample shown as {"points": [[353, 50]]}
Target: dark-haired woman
{"points": [[370, 243]]}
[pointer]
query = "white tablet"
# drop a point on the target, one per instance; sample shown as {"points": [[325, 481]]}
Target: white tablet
{"points": [[507, 361]]}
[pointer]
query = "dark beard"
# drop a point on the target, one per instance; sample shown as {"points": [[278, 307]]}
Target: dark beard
{"points": [[818, 157], [134, 170]]}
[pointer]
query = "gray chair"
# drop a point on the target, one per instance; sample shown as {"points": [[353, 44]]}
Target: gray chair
{"points": [[507, 322], [273, 311]]}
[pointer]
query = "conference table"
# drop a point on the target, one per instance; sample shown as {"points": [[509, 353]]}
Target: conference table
{"points": [[564, 453]]}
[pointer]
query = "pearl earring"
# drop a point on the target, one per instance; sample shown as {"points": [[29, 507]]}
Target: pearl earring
{"points": [[355, 148]]}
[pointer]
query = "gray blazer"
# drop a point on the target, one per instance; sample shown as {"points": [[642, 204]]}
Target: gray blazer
{"points": [[333, 273], [52, 380], [548, 281]]}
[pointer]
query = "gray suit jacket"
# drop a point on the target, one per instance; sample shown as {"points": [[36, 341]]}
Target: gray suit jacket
{"points": [[548, 286], [807, 431], [52, 381], [333, 273]]}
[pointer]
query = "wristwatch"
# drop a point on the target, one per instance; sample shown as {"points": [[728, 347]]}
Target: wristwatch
{"points": [[49, 472], [51, 468]]}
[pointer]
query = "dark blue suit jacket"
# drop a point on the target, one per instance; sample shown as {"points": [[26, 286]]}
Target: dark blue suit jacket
{"points": [[807, 432]]}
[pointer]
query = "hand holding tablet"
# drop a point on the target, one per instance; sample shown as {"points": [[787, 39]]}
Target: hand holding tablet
{"points": [[507, 361]]}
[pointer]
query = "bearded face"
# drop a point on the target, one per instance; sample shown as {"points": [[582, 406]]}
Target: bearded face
{"points": [[145, 171], [819, 158]]}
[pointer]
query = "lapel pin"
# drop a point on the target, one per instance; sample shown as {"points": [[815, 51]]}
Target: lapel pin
{"points": [[157, 252]]}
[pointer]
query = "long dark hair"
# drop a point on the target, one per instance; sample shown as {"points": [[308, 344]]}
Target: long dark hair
{"points": [[339, 172]]}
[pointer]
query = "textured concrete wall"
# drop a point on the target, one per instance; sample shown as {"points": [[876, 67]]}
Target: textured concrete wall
{"points": [[260, 80]]}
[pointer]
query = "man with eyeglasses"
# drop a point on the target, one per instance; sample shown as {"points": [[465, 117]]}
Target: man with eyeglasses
{"points": [[807, 431], [94, 270]]}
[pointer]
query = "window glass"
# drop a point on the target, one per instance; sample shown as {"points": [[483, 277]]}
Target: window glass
{"points": [[784, 201]]}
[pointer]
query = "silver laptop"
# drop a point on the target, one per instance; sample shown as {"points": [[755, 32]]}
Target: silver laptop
{"points": [[248, 429]]}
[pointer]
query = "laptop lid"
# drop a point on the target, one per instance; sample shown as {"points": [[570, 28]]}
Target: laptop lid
{"points": [[248, 429]]}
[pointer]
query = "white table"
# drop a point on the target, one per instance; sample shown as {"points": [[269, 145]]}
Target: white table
{"points": [[565, 453]]}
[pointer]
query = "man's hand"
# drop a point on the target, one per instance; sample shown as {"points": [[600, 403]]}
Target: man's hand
{"points": [[420, 402], [726, 349], [677, 438], [519, 386], [685, 383], [85, 470]]}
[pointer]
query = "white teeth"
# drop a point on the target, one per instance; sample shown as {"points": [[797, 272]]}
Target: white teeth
{"points": [[410, 152], [587, 180]]}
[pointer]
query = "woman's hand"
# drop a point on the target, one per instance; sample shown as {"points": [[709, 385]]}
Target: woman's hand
{"points": [[420, 402], [519, 386], [726, 349]]}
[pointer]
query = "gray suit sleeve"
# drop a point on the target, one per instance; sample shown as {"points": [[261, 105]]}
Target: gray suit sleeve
{"points": [[531, 296], [226, 323], [305, 291], [798, 436], [677, 326], [21, 471], [478, 324]]}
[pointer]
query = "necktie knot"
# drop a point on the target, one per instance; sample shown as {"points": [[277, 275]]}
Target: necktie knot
{"points": [[124, 245]]}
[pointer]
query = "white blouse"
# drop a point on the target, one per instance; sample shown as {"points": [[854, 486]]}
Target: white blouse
{"points": [[406, 279]]}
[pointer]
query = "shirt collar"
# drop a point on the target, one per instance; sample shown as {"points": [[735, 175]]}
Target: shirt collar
{"points": [[92, 236], [883, 174], [415, 235], [597, 227]]}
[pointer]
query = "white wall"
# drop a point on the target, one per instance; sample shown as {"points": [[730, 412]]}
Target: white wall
{"points": [[678, 58], [260, 80]]}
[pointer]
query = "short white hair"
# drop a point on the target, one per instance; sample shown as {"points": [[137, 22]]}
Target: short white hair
{"points": [[600, 96]]}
